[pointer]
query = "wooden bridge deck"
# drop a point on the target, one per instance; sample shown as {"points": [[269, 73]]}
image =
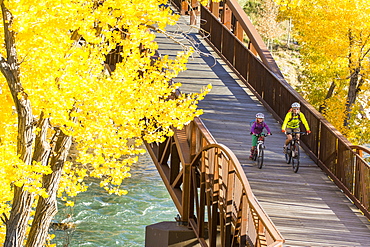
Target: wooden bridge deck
{"points": [[307, 207]]}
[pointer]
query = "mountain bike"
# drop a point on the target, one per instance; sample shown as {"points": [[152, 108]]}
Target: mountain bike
{"points": [[292, 150], [259, 153]]}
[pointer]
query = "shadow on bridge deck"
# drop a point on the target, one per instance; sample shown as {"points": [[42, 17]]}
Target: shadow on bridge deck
{"points": [[307, 207]]}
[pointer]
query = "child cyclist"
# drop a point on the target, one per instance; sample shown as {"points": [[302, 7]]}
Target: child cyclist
{"points": [[291, 123], [257, 128]]}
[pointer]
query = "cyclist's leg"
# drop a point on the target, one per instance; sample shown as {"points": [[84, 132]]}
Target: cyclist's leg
{"points": [[254, 146], [288, 138]]}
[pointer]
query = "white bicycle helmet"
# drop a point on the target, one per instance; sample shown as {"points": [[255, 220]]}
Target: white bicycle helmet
{"points": [[296, 105], [260, 115]]}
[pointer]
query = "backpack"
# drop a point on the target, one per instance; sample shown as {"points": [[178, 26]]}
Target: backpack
{"points": [[299, 115]]}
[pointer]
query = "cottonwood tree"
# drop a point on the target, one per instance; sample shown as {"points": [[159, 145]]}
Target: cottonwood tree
{"points": [[57, 89], [266, 21], [334, 37]]}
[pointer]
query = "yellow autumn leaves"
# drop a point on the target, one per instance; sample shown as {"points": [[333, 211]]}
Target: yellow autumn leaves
{"points": [[334, 40], [108, 112]]}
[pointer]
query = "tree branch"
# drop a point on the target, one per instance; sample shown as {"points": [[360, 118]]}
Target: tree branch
{"points": [[9, 66], [9, 37], [4, 218], [328, 95]]}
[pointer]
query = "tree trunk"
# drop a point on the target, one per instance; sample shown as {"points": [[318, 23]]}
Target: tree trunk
{"points": [[352, 93], [18, 221], [42, 147], [22, 201], [21, 207], [47, 207], [289, 31], [328, 96]]}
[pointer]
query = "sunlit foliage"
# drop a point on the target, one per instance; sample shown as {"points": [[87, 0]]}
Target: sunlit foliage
{"points": [[55, 50], [334, 37]]}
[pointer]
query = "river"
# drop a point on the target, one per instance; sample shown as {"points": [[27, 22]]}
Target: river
{"points": [[108, 220]]}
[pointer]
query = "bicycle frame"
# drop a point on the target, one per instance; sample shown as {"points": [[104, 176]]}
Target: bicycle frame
{"points": [[294, 137], [260, 142], [258, 155]]}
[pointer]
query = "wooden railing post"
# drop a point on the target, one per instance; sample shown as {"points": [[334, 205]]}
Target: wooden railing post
{"points": [[252, 49], [186, 190], [194, 12], [215, 8], [226, 16], [239, 33], [184, 7]]}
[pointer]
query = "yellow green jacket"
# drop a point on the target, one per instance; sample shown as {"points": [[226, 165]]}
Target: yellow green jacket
{"points": [[294, 121]]}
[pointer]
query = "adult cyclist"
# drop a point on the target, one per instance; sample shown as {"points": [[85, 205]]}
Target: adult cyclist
{"points": [[291, 123]]}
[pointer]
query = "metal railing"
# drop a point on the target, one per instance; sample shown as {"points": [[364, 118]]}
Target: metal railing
{"points": [[224, 27], [211, 191]]}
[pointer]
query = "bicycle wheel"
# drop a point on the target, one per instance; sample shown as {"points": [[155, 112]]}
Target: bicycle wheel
{"points": [[255, 155], [295, 158], [260, 157], [288, 156]]}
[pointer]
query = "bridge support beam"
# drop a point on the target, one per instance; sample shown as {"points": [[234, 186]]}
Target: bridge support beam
{"points": [[169, 233]]}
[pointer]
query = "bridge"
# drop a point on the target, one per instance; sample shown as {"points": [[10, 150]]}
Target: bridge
{"points": [[220, 194]]}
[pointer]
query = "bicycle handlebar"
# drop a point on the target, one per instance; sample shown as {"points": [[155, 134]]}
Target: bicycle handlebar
{"points": [[294, 133], [261, 134]]}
